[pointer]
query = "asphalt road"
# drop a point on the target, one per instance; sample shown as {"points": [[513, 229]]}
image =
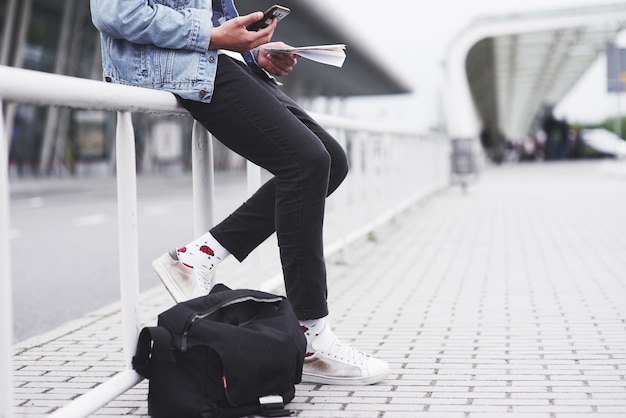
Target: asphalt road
{"points": [[64, 236]]}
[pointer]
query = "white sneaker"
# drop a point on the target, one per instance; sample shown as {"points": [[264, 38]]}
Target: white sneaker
{"points": [[179, 280], [337, 363]]}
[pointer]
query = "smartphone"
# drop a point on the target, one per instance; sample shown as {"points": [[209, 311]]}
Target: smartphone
{"points": [[274, 12]]}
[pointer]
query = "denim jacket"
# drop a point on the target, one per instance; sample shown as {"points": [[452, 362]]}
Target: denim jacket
{"points": [[160, 44]]}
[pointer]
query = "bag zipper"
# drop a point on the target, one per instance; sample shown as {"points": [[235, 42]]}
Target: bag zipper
{"points": [[196, 317]]}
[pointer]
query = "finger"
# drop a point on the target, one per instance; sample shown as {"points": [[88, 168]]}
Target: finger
{"points": [[275, 67], [281, 64], [268, 31], [288, 63], [251, 18], [272, 25], [285, 69], [285, 59]]}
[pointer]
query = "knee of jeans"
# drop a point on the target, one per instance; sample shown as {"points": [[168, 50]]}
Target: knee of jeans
{"points": [[339, 167], [318, 163], [338, 171]]}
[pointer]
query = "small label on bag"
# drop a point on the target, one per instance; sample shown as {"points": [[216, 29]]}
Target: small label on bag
{"points": [[271, 400], [224, 382], [272, 406]]}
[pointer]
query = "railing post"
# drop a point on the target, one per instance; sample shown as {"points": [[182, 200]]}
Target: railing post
{"points": [[357, 180], [341, 199], [95, 399], [6, 305], [127, 224], [253, 180], [203, 178]]}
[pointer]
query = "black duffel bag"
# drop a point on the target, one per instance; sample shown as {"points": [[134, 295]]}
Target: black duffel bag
{"points": [[231, 353]]}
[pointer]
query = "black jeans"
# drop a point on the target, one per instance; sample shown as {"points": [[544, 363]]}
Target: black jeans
{"points": [[255, 119]]}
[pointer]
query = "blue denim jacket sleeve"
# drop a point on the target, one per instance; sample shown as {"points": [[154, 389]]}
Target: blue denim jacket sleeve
{"points": [[158, 44], [170, 24]]}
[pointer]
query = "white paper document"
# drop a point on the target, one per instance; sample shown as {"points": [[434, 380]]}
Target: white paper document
{"points": [[325, 54]]}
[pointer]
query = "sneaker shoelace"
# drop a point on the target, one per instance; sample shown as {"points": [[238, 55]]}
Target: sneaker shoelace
{"points": [[346, 353], [204, 283], [204, 277]]}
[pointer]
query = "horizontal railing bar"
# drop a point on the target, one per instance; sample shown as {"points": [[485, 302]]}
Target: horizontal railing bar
{"points": [[330, 121], [99, 396], [47, 89]]}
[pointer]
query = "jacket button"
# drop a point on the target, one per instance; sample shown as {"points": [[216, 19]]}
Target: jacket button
{"points": [[203, 92], [211, 59]]}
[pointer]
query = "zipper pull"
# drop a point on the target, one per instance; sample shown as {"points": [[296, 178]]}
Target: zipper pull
{"points": [[183, 343]]}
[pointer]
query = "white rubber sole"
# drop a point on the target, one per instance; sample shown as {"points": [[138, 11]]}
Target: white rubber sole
{"points": [[329, 380]]}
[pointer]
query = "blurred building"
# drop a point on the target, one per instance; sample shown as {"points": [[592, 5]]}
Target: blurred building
{"points": [[505, 73], [57, 36]]}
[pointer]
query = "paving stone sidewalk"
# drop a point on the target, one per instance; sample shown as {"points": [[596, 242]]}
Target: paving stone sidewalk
{"points": [[507, 300]]}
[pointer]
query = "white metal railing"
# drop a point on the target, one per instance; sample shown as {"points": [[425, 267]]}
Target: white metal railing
{"points": [[390, 170]]}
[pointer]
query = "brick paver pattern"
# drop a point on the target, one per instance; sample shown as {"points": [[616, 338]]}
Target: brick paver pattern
{"points": [[507, 300]]}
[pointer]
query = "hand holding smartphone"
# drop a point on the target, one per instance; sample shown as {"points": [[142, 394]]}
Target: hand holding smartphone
{"points": [[275, 12]]}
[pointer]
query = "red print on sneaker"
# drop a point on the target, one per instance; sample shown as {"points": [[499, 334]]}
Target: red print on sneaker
{"points": [[182, 250], [207, 250], [303, 328]]}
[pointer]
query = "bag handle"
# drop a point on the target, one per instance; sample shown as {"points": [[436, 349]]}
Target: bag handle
{"points": [[162, 347], [233, 300]]}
